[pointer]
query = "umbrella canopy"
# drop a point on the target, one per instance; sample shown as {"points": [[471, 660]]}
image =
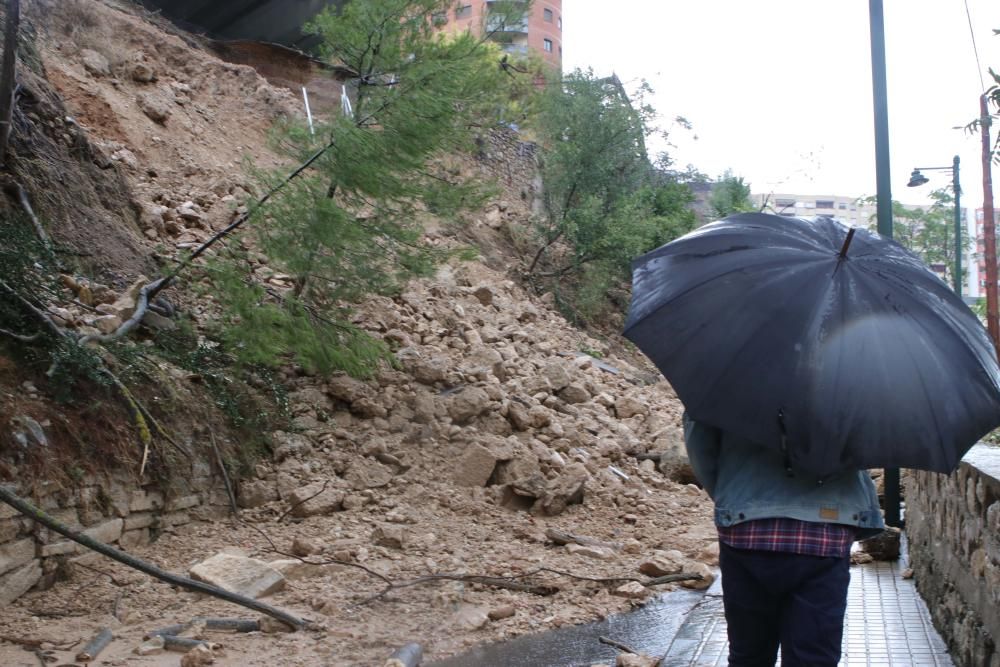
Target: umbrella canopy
{"points": [[843, 357]]}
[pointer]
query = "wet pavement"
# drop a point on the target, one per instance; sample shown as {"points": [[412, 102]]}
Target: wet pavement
{"points": [[887, 623], [649, 630]]}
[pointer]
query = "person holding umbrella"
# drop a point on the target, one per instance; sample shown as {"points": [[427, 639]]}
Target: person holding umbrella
{"points": [[806, 353], [784, 548]]}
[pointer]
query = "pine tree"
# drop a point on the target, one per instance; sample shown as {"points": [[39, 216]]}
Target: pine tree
{"points": [[351, 224]]}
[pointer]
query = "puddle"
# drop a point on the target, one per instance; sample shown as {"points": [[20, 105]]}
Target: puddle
{"points": [[648, 630]]}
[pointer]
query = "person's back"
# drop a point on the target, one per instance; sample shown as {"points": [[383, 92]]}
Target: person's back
{"points": [[784, 547]]}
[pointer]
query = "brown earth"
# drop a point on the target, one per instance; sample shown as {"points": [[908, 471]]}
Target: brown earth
{"points": [[503, 422]]}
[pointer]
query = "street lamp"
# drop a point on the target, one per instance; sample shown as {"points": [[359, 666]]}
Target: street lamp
{"points": [[917, 179]]}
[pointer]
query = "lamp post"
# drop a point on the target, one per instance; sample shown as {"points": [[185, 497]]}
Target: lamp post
{"points": [[883, 192], [916, 179]]}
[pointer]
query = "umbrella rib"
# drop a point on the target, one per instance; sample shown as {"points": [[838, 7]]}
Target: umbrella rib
{"points": [[746, 342], [775, 263], [920, 374]]}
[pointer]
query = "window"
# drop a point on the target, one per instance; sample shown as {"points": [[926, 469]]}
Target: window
{"points": [[842, 206], [824, 203], [439, 18], [547, 15], [559, 22], [547, 45], [463, 12], [781, 204]]}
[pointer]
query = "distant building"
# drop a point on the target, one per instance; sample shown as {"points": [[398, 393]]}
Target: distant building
{"points": [[977, 268], [851, 211], [848, 210], [540, 32]]}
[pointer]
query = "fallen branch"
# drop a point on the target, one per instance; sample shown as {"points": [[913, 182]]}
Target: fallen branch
{"points": [[225, 474], [507, 583], [21, 196], [34, 513], [618, 645], [303, 502], [94, 647], [141, 305], [513, 583], [563, 538], [34, 310], [143, 419], [24, 338], [329, 561], [672, 578], [37, 643]]}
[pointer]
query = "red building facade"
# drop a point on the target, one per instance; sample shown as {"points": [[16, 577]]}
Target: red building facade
{"points": [[540, 32]]}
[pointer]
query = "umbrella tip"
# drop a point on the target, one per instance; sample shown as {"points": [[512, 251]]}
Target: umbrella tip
{"points": [[847, 242]]}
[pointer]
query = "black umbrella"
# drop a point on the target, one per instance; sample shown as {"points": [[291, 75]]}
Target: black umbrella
{"points": [[841, 348]]}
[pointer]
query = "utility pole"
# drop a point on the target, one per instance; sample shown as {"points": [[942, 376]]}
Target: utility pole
{"points": [[884, 196], [959, 246], [989, 228]]}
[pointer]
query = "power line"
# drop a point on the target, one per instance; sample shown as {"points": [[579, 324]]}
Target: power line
{"points": [[975, 49]]}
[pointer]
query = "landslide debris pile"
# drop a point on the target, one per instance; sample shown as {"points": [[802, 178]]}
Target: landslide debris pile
{"points": [[504, 440]]}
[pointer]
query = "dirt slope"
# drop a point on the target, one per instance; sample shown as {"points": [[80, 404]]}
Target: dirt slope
{"points": [[502, 423]]}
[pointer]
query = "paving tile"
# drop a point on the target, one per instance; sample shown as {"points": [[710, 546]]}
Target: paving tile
{"points": [[887, 624]]}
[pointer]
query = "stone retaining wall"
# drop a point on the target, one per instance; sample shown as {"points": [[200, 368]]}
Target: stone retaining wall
{"points": [[953, 528], [503, 155], [114, 509]]}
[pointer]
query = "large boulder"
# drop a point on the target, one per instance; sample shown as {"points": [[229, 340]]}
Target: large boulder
{"points": [[474, 466], [467, 404], [249, 577]]}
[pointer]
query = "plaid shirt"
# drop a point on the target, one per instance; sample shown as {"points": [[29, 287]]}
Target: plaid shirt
{"points": [[791, 536]]}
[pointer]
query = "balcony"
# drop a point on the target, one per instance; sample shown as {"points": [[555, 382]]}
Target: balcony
{"points": [[496, 24], [517, 49]]}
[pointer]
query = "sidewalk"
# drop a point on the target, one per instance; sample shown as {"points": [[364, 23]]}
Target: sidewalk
{"points": [[887, 623]]}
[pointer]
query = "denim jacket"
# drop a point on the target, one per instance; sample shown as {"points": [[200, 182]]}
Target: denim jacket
{"points": [[747, 482]]}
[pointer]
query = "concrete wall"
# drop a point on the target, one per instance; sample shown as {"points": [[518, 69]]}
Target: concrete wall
{"points": [[953, 527]]}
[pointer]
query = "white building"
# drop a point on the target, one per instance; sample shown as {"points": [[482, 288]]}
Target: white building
{"points": [[856, 213]]}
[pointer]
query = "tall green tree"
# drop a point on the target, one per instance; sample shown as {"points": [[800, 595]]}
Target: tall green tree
{"points": [[603, 204], [730, 195], [351, 223], [928, 232]]}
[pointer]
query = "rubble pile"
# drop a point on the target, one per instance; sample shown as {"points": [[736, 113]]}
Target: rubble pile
{"points": [[504, 444]]}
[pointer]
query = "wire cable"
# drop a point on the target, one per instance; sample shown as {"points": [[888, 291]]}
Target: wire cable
{"points": [[975, 49]]}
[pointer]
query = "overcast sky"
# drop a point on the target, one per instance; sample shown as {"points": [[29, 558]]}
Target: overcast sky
{"points": [[780, 91]]}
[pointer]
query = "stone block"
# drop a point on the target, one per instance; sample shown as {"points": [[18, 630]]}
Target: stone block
{"points": [[175, 519], [255, 493], [9, 529], [311, 500], [106, 532], [16, 554], [15, 584], [183, 502], [144, 501], [134, 538], [138, 520], [59, 548], [475, 466], [245, 576]]}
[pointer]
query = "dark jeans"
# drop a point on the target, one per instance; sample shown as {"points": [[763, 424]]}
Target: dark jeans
{"points": [[774, 598]]}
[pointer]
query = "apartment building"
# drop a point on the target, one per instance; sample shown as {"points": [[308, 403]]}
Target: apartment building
{"points": [[540, 32], [846, 209]]}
